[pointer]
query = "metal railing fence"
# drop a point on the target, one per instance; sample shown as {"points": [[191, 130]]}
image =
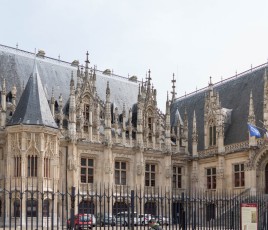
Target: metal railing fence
{"points": [[108, 208]]}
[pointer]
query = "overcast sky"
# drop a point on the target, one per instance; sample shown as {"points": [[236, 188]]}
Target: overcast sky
{"points": [[194, 39]]}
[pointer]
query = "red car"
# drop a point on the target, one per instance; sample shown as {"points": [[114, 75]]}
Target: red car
{"points": [[81, 221]]}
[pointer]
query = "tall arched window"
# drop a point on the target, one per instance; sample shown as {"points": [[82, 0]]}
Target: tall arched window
{"points": [[32, 166], [150, 124], [31, 208], [17, 208], [212, 133], [46, 208], [86, 117]]}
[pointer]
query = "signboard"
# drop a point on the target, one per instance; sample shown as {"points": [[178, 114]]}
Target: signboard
{"points": [[249, 216]]}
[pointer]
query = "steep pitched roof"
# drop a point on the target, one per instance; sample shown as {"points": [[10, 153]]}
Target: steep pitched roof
{"points": [[233, 94], [16, 66], [33, 108]]}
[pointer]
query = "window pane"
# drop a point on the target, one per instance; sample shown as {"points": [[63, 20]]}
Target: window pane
{"points": [[236, 168], [147, 167], [152, 176], [123, 165], [153, 168], [83, 161], [90, 171], [117, 165], [90, 162], [90, 179], [83, 171], [83, 179]]}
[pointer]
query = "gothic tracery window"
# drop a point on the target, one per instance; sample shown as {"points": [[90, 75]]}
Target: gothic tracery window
{"points": [[17, 168], [32, 166], [86, 117], [47, 167], [212, 133]]}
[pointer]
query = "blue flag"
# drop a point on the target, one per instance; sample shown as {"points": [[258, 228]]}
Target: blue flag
{"points": [[253, 131]]}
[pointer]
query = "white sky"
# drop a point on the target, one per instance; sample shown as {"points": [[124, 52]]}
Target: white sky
{"points": [[195, 39]]}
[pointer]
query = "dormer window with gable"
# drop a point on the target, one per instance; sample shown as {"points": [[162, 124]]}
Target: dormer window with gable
{"points": [[212, 134]]}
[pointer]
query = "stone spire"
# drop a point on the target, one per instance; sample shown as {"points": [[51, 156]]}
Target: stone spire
{"points": [[251, 115], [167, 128], [194, 136], [14, 95], [33, 108], [72, 111], [3, 104], [108, 115], [52, 103], [185, 131], [173, 81], [124, 125], [251, 120], [87, 66]]}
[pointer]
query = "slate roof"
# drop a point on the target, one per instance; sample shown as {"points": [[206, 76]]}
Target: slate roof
{"points": [[234, 94], [33, 108], [16, 66]]}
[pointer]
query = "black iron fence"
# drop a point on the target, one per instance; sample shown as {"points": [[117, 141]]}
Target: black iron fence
{"points": [[120, 207]]}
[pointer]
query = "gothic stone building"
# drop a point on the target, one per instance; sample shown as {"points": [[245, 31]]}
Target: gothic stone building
{"points": [[65, 125]]}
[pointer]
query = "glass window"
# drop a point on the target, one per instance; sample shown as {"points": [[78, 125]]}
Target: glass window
{"points": [[177, 177], [150, 175], [32, 166], [87, 170], [239, 175], [211, 178], [120, 173]]}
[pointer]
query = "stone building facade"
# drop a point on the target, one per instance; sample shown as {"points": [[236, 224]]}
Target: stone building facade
{"points": [[63, 125]]}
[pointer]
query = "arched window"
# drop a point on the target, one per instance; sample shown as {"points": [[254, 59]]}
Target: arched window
{"points": [[150, 207], [46, 208], [120, 207], [31, 208], [150, 124], [17, 208], [212, 133], [86, 206], [32, 166], [86, 117]]}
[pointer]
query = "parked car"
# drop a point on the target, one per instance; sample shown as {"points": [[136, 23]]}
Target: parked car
{"points": [[144, 218], [94, 222], [162, 220], [105, 219], [81, 221], [124, 218]]}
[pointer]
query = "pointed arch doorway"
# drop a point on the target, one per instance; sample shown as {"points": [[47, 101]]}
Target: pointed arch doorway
{"points": [[266, 178]]}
